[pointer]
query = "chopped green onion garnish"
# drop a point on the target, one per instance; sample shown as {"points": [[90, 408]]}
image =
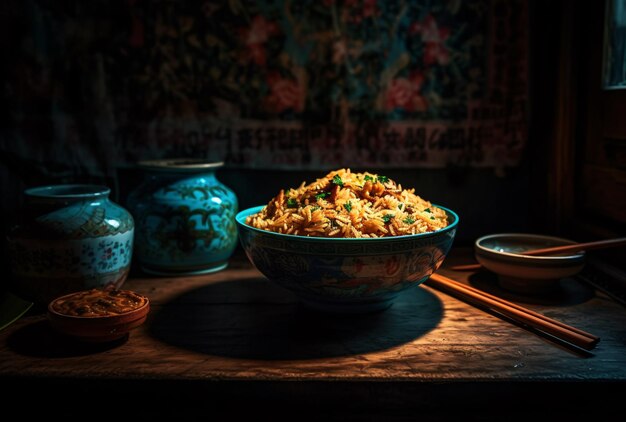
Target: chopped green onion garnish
{"points": [[322, 195], [337, 180], [383, 179], [427, 210], [409, 220], [370, 178], [387, 218], [292, 203], [348, 206]]}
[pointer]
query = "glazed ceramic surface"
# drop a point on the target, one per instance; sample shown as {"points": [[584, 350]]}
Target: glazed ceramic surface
{"points": [[185, 218], [70, 238], [500, 253], [346, 275]]}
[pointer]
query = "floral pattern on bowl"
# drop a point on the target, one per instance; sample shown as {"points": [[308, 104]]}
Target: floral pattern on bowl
{"points": [[346, 275]]}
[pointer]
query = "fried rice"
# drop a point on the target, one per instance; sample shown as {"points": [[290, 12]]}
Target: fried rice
{"points": [[349, 205]]}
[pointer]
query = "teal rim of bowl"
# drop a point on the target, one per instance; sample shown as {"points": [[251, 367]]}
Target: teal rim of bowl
{"points": [[485, 251], [241, 217]]}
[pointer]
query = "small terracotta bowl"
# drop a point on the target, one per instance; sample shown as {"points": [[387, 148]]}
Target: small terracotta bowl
{"points": [[500, 253], [96, 329]]}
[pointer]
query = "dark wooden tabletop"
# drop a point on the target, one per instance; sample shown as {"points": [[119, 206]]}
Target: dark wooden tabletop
{"points": [[230, 338]]}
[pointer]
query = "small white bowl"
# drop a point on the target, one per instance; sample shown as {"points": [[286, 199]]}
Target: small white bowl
{"points": [[500, 253]]}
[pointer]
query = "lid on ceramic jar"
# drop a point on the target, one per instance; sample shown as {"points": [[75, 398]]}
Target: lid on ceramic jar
{"points": [[179, 164], [67, 192]]}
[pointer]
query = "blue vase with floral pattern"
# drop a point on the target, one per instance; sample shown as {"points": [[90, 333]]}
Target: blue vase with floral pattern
{"points": [[185, 218], [69, 238]]}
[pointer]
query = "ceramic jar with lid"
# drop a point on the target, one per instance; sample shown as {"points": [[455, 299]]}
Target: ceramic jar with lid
{"points": [[185, 218], [69, 238]]}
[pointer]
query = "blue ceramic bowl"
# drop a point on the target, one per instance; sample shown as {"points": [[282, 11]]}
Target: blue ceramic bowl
{"points": [[346, 275]]}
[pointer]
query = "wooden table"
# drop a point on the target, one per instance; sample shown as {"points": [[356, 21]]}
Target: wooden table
{"points": [[231, 342]]}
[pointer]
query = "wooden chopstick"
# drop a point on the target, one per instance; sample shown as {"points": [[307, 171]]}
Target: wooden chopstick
{"points": [[577, 247], [468, 267], [521, 308], [554, 250], [515, 312]]}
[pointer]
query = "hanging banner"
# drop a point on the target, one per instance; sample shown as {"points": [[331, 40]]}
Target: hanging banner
{"points": [[269, 84]]}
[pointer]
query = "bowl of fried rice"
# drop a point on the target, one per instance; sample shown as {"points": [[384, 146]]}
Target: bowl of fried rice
{"points": [[347, 242]]}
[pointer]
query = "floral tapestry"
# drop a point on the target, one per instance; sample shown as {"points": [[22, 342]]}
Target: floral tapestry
{"points": [[267, 84]]}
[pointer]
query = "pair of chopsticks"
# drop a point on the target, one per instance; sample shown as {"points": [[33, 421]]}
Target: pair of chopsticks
{"points": [[514, 312], [555, 250]]}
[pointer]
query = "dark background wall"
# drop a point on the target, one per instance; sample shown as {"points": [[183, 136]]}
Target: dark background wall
{"points": [[493, 198]]}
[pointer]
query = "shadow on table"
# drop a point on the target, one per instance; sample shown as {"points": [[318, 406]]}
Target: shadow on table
{"points": [[38, 339], [255, 319], [568, 292]]}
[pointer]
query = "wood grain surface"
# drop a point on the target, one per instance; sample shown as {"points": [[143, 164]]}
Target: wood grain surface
{"points": [[236, 328]]}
